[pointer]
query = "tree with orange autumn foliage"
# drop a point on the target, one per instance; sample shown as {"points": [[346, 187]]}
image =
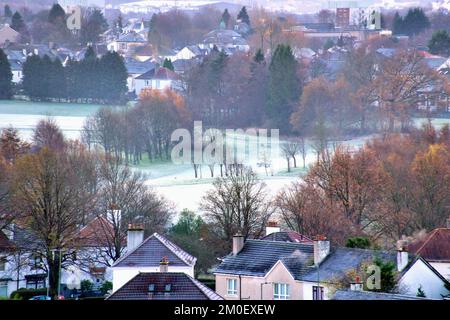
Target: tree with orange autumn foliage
{"points": [[394, 186], [161, 113], [397, 86]]}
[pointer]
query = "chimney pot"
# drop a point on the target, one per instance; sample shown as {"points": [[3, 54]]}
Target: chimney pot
{"points": [[238, 243], [135, 235], [272, 227], [321, 248], [164, 265], [402, 259]]}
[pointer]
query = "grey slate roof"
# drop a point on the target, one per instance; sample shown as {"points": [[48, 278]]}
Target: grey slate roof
{"points": [[366, 295], [131, 37], [341, 260], [150, 252], [183, 287], [257, 257], [137, 67]]}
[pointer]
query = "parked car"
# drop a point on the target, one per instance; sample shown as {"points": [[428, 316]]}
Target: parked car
{"points": [[40, 298]]}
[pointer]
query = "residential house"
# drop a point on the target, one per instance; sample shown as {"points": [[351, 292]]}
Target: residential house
{"points": [[146, 256], [242, 28], [22, 261], [144, 53], [127, 43], [190, 52], [135, 69], [164, 286], [8, 35], [435, 249], [182, 66], [291, 270], [224, 39], [159, 78], [16, 70], [421, 274]]}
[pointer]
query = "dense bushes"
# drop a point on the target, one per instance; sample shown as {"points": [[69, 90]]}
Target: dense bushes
{"points": [[26, 294]]}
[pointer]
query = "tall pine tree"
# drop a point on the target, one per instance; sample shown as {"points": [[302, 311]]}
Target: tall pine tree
{"points": [[5, 77], [17, 22], [56, 15], [113, 78], [7, 11], [243, 15], [226, 18], [283, 89]]}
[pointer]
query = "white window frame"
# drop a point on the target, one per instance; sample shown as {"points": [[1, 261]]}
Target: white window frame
{"points": [[318, 292], [232, 287], [281, 291]]}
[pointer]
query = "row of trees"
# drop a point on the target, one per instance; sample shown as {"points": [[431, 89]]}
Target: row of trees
{"points": [[369, 92], [143, 129], [51, 26], [244, 91], [91, 79], [53, 187], [381, 191]]}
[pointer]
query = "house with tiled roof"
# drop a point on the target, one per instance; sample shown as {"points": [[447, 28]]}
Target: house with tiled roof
{"points": [[430, 268], [146, 256], [127, 43], [8, 35], [19, 263], [164, 286], [159, 78], [420, 274], [136, 68], [435, 248], [268, 269]]}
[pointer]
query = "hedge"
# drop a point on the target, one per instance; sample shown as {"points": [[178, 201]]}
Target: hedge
{"points": [[26, 294]]}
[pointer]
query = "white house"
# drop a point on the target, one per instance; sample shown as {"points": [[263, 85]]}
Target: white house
{"points": [[8, 35], [159, 78], [147, 255], [224, 39], [420, 274], [190, 52], [16, 70], [126, 44], [22, 261], [135, 69]]}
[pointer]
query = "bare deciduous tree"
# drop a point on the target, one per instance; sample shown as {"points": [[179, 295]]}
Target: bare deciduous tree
{"points": [[237, 203]]}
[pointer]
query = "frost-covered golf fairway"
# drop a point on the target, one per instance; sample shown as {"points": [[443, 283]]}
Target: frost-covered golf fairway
{"points": [[175, 182]]}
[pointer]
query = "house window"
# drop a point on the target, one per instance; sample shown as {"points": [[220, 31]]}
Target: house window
{"points": [[158, 84], [36, 281], [231, 287], [280, 291], [2, 263], [317, 293]]}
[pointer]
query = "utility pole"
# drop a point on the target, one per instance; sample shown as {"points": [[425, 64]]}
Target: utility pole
{"points": [[59, 273]]}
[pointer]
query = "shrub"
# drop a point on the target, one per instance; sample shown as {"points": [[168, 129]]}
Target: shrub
{"points": [[26, 294], [86, 285], [358, 242], [106, 286]]}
